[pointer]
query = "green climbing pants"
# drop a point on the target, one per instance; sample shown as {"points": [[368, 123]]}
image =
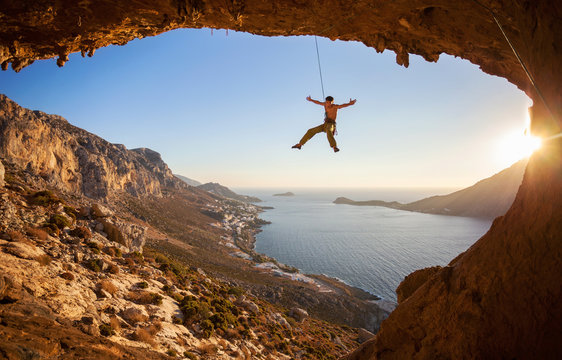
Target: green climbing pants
{"points": [[327, 127]]}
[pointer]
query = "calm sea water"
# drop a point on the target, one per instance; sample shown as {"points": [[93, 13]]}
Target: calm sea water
{"points": [[369, 247]]}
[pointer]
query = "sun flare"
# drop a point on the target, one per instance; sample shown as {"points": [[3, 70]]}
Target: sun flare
{"points": [[517, 146]]}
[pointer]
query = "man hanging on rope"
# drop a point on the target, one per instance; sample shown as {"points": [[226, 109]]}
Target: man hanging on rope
{"points": [[329, 126]]}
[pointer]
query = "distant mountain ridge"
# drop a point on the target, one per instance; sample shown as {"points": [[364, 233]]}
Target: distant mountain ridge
{"points": [[187, 180], [223, 191], [488, 198]]}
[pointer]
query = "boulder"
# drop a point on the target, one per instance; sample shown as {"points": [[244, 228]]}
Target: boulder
{"points": [[130, 235], [133, 315], [248, 304], [23, 251], [298, 314], [281, 320], [100, 211]]}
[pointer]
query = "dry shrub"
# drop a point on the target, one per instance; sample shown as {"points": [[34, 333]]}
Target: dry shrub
{"points": [[233, 334], [154, 328], [113, 232], [81, 232], [112, 251], [108, 286], [15, 236], [235, 354], [207, 349], [145, 297], [67, 276], [137, 317], [145, 336], [39, 234], [113, 269], [44, 260], [115, 323], [130, 262]]}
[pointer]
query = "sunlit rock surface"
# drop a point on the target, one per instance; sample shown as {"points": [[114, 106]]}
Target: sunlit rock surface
{"points": [[75, 160]]}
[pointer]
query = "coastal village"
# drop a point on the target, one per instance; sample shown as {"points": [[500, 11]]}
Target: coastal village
{"points": [[241, 220]]}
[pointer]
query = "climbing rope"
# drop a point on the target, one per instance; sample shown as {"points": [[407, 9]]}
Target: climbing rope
{"points": [[527, 72], [318, 52], [319, 67]]}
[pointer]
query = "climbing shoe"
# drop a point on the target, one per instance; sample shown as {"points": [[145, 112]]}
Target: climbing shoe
{"points": [[297, 146], [336, 149]]}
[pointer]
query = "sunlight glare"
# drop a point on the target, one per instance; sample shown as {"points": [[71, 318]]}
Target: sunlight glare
{"points": [[517, 146]]}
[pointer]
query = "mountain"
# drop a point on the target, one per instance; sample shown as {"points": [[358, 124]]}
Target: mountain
{"points": [[76, 161], [187, 180], [218, 189], [488, 198]]}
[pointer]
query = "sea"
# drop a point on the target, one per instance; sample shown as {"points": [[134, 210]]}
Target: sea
{"points": [[369, 247]]}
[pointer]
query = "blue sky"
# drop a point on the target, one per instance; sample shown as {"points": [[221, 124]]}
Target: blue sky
{"points": [[228, 109]]}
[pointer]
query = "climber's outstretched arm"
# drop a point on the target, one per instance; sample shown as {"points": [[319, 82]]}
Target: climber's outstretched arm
{"points": [[351, 102], [314, 101]]}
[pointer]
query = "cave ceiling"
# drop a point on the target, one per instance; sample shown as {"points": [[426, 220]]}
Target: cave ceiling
{"points": [[38, 29]]}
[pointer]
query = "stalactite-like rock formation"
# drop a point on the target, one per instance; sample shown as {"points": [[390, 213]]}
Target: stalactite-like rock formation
{"points": [[500, 299]]}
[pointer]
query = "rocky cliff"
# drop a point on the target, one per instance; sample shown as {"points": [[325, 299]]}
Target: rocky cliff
{"points": [[75, 160], [498, 300]]}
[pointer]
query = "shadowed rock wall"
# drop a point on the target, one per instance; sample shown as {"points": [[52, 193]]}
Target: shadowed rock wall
{"points": [[500, 299], [40, 29]]}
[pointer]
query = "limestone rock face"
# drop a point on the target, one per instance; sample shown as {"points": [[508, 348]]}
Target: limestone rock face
{"points": [[75, 160]]}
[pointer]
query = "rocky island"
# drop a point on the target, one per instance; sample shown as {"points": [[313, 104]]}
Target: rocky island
{"points": [[288, 193]]}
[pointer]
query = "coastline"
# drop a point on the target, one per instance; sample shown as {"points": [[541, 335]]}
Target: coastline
{"points": [[243, 220]]}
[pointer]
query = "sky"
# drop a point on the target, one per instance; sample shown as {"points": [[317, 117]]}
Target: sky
{"points": [[228, 107]]}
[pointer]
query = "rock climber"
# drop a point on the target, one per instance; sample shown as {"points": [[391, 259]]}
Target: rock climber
{"points": [[329, 126]]}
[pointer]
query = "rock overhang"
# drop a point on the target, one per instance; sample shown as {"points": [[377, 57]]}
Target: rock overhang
{"points": [[40, 29]]}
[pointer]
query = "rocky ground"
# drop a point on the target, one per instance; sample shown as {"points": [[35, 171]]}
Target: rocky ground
{"points": [[104, 252], [74, 283]]}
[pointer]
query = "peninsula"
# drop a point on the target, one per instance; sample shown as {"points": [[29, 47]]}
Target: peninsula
{"points": [[488, 198]]}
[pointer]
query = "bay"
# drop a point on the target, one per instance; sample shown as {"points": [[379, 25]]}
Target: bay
{"points": [[369, 247]]}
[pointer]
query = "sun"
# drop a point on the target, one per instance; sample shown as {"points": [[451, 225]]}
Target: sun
{"points": [[516, 146]]}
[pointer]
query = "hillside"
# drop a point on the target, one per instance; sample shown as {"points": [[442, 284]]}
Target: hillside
{"points": [[148, 270], [488, 198], [218, 189], [187, 180]]}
